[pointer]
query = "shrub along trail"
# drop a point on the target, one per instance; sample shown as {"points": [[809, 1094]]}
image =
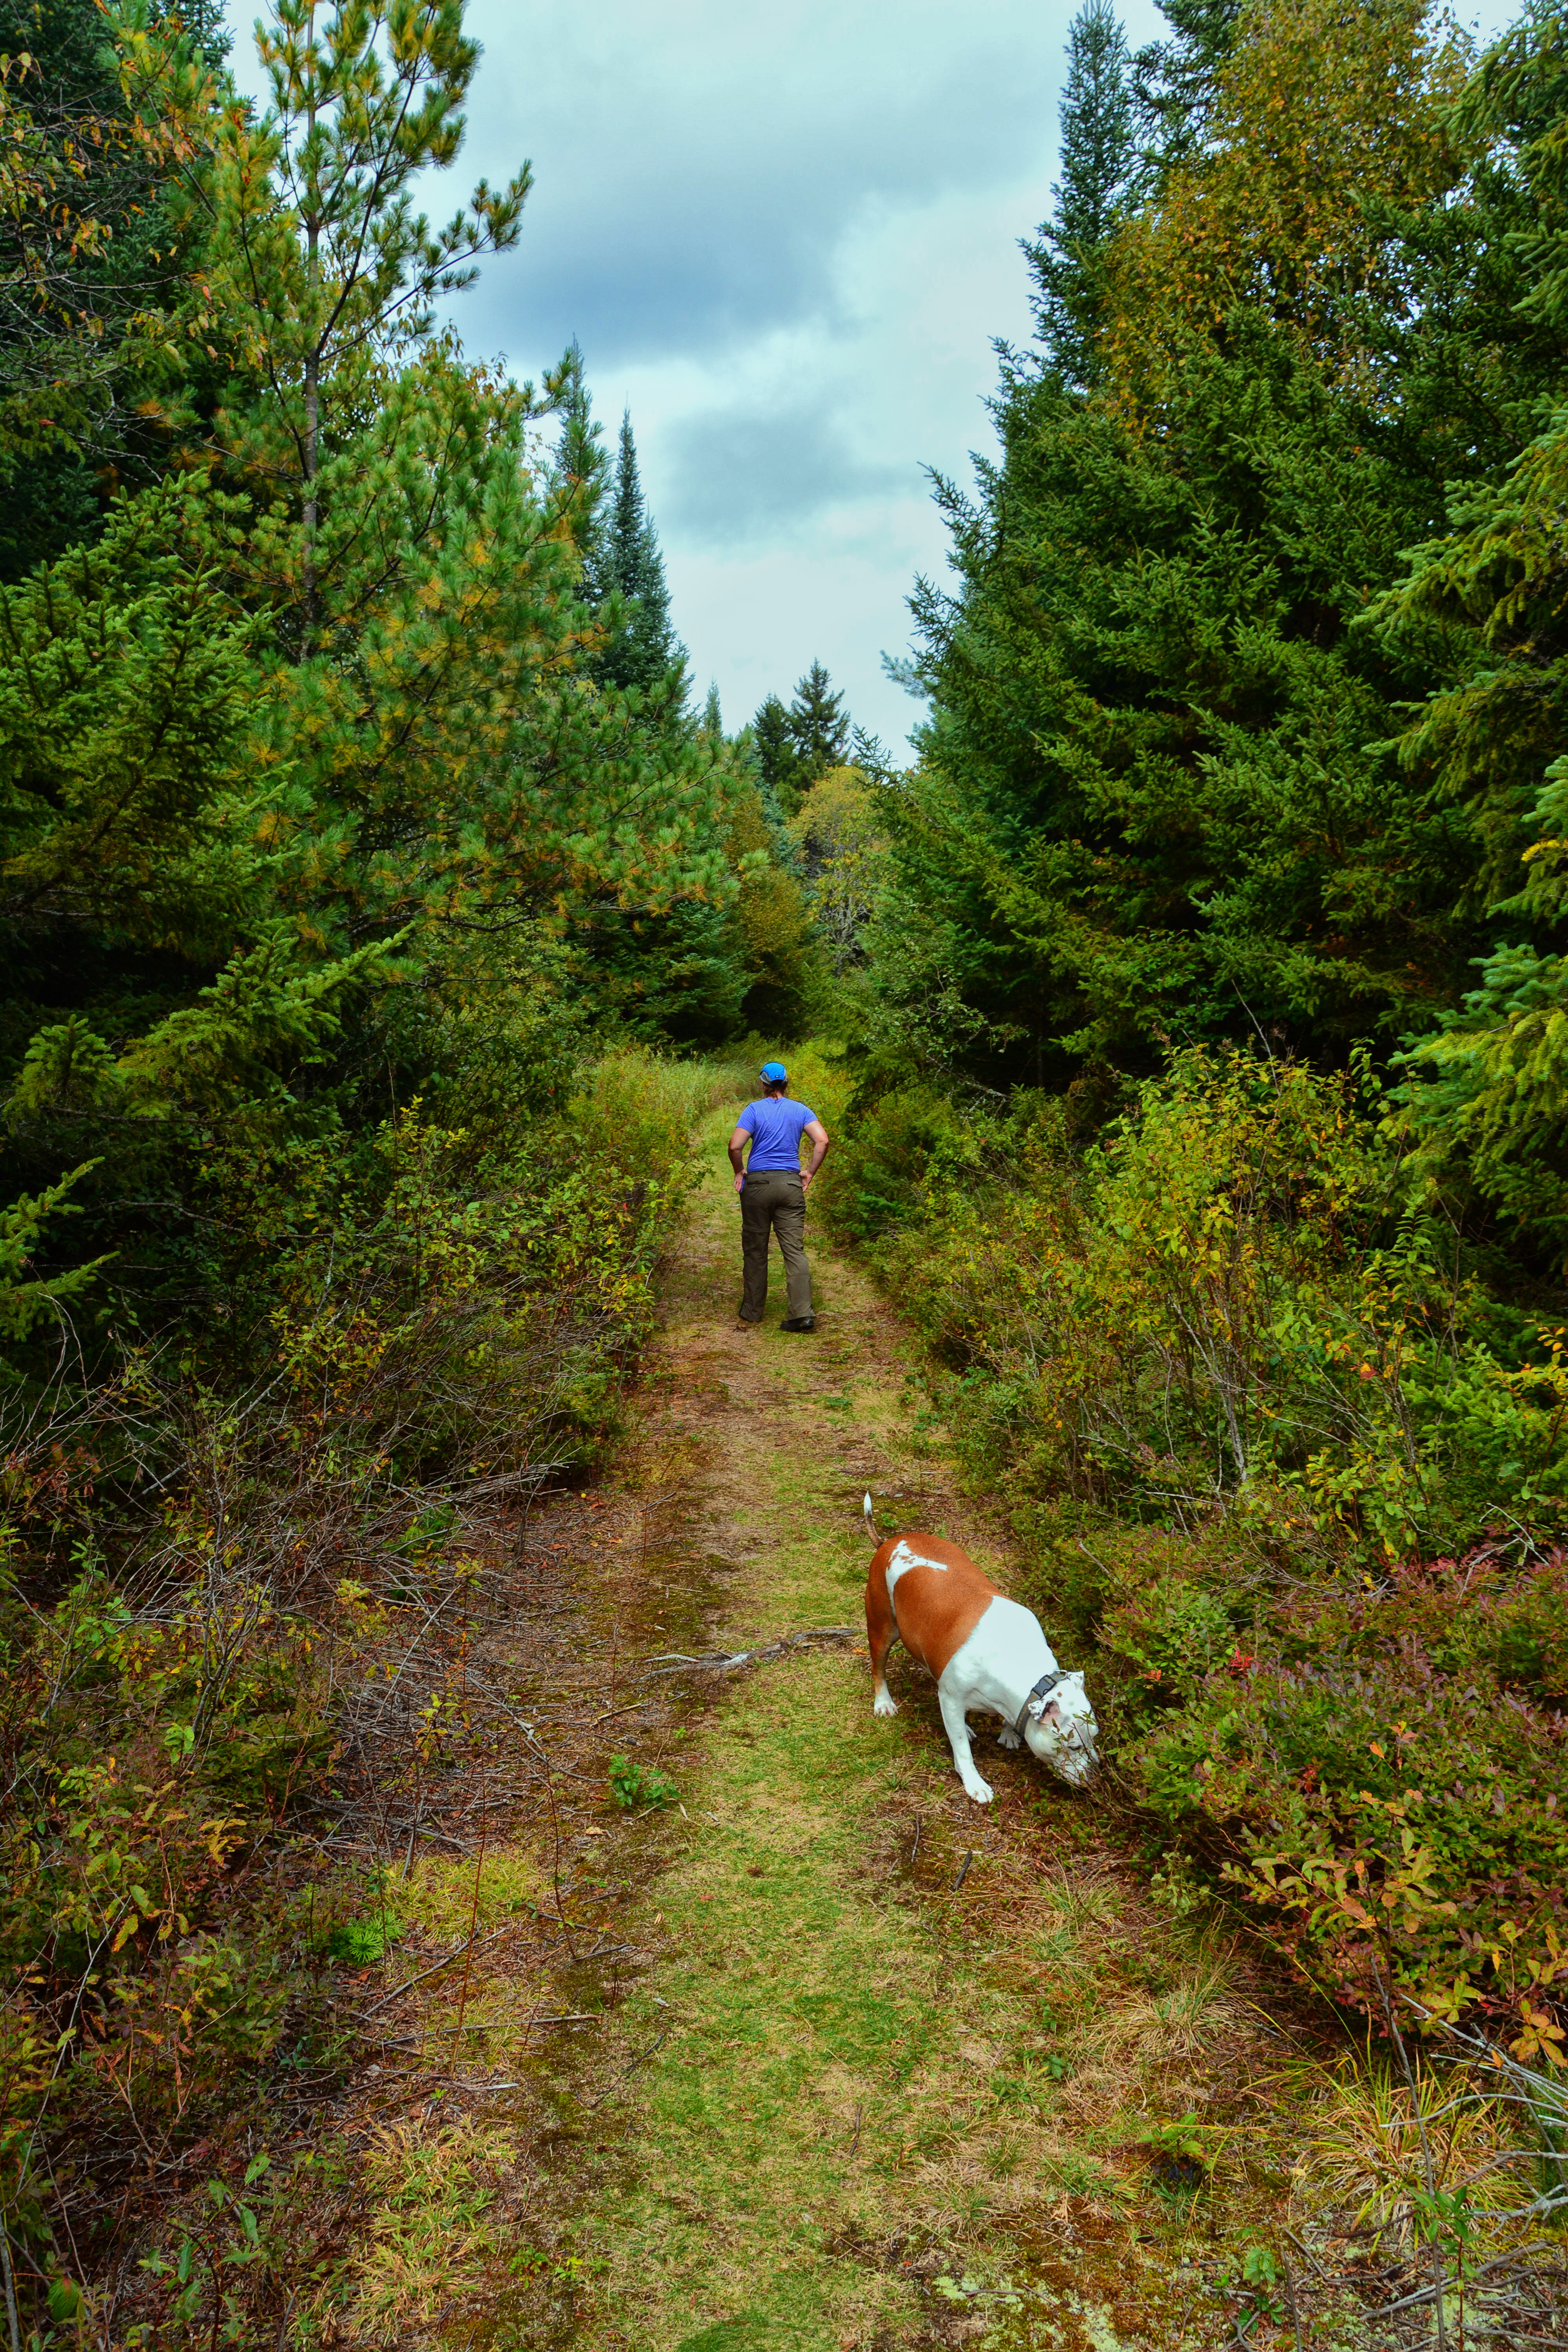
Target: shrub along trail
{"points": [[866, 2064]]}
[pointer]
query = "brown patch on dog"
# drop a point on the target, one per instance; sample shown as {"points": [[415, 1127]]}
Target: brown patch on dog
{"points": [[932, 1611]]}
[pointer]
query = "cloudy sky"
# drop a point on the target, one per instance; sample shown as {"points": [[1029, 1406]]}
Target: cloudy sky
{"points": [[785, 235]]}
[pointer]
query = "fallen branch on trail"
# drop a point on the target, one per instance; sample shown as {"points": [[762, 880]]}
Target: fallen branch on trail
{"points": [[726, 1661]]}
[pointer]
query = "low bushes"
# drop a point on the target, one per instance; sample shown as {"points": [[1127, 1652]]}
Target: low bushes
{"points": [[207, 1563], [1302, 1476], [1376, 1766]]}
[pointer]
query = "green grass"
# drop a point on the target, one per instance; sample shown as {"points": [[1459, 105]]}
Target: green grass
{"points": [[837, 2041], [848, 2106]]}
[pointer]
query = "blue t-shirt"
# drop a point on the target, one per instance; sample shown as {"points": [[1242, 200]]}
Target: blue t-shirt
{"points": [[774, 1128]]}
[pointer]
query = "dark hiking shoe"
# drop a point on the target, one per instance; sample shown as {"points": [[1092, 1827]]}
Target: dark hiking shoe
{"points": [[799, 1323]]}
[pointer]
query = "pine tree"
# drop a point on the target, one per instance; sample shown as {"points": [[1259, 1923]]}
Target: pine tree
{"points": [[583, 476], [313, 238], [818, 726], [645, 648], [1097, 155], [712, 717]]}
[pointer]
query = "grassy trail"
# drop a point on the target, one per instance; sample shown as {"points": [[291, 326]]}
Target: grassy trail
{"points": [[899, 2067]]}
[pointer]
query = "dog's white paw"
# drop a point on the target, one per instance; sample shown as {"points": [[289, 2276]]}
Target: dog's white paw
{"points": [[973, 1785], [1009, 1738], [885, 1704]]}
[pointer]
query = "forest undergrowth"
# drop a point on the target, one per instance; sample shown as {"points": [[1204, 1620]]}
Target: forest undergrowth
{"points": [[240, 1657], [1280, 1469]]}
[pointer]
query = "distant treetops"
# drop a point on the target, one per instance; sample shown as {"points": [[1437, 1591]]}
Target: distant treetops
{"points": [[623, 564], [796, 747]]}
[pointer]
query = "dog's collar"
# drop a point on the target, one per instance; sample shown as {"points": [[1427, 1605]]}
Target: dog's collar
{"points": [[1042, 1691]]}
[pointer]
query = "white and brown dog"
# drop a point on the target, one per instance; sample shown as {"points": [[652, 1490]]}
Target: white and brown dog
{"points": [[988, 1653]]}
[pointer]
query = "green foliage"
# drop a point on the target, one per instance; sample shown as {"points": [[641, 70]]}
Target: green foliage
{"points": [[446, 1318], [1223, 799], [794, 747], [1159, 796], [878, 1166], [1269, 1443], [310, 228], [641, 648], [351, 903], [1486, 1094], [818, 726], [25, 1302], [1156, 798], [778, 765], [360, 1943], [1175, 81], [841, 837], [1486, 1097], [120, 694], [636, 1788], [105, 322], [1222, 1305], [1097, 154]]}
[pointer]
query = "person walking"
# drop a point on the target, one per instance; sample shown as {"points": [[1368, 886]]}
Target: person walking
{"points": [[773, 1187]]}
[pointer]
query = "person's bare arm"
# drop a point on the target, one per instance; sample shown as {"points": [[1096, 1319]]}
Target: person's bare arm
{"points": [[818, 1134], [738, 1143]]}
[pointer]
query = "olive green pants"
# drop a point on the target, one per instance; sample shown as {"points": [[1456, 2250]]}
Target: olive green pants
{"points": [[773, 1202]]}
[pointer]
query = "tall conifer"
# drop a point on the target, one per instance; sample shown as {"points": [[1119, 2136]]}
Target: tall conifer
{"points": [[778, 766], [1174, 81], [1097, 155], [313, 237], [647, 648], [582, 471], [818, 725]]}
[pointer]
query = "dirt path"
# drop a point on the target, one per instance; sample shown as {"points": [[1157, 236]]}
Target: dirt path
{"points": [[884, 2080], [820, 2055]]}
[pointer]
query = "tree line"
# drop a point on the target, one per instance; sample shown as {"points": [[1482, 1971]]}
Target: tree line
{"points": [[365, 864], [1244, 708], [1211, 991]]}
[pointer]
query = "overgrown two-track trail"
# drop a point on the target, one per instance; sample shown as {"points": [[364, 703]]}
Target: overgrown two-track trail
{"points": [[877, 2062], [883, 2079]]}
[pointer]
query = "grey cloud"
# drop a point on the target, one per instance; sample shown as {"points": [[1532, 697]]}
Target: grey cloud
{"points": [[666, 218], [739, 475]]}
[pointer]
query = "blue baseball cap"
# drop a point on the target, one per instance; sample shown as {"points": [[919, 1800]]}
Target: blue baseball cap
{"points": [[774, 1073]]}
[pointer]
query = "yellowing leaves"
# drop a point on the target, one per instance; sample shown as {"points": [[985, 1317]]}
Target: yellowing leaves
{"points": [[1309, 125]]}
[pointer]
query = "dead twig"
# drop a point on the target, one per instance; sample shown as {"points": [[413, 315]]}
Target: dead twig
{"points": [[1290, 2299], [456, 1953], [722, 1662], [641, 2059], [474, 1910]]}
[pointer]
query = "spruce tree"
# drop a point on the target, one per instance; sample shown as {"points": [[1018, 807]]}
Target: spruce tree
{"points": [[778, 766], [583, 476], [1174, 81], [712, 717], [1097, 154], [645, 648], [818, 726]]}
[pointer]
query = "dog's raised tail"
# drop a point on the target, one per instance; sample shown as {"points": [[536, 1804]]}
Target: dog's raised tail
{"points": [[871, 1523]]}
